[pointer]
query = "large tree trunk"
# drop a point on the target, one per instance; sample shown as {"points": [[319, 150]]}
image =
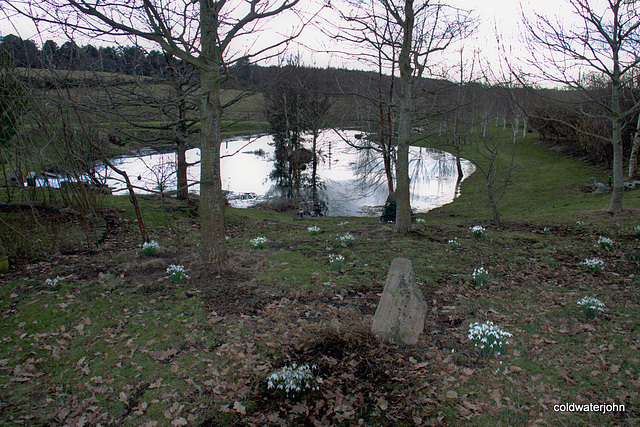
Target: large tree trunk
{"points": [[403, 201], [212, 205], [633, 157]]}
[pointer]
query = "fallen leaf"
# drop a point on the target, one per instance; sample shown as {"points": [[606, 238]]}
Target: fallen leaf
{"points": [[239, 407], [163, 355], [383, 404]]}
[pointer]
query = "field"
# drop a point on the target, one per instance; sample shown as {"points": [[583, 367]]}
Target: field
{"points": [[114, 341]]}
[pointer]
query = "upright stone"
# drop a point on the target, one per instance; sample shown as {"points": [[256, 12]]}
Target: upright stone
{"points": [[402, 310]]}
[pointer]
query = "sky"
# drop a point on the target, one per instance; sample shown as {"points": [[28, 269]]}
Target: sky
{"points": [[501, 15]]}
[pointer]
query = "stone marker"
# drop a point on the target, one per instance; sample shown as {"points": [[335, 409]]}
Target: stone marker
{"points": [[402, 310]]}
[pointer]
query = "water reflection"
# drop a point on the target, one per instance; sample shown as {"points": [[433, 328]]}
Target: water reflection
{"points": [[352, 181]]}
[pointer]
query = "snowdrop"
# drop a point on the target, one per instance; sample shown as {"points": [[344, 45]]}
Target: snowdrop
{"points": [[347, 239], [293, 381], [594, 264], [314, 229], [453, 243], [53, 283], [488, 337], [479, 276], [259, 242], [150, 248], [335, 261], [604, 242], [177, 272], [591, 307], [477, 230]]}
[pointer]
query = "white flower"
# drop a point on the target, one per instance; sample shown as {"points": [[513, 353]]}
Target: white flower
{"points": [[604, 242], [479, 271], [258, 242], [294, 380], [477, 230], [53, 282], [177, 272], [335, 258], [150, 248], [488, 337], [592, 303], [347, 238], [343, 223], [420, 221], [314, 229], [151, 245], [593, 264]]}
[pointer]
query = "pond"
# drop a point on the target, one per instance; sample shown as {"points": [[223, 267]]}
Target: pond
{"points": [[353, 182]]}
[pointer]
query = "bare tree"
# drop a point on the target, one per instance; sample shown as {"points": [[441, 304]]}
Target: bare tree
{"points": [[605, 42], [635, 148], [415, 30], [202, 33]]}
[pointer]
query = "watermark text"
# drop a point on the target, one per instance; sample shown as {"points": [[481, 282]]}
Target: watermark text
{"points": [[589, 407]]}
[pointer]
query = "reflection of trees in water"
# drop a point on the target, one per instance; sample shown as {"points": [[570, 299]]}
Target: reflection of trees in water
{"points": [[369, 171], [425, 166]]}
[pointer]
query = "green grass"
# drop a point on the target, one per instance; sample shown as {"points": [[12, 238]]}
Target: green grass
{"points": [[545, 185], [117, 340]]}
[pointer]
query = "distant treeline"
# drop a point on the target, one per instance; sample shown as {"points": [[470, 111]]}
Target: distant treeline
{"points": [[121, 59], [130, 60], [70, 56]]}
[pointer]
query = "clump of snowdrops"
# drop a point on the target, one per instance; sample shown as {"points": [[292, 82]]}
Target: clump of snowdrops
{"points": [[605, 242], [53, 283], [591, 307], [479, 276], [294, 381], [488, 338], [150, 248], [335, 262], [595, 265], [346, 240], [477, 230], [259, 242], [453, 243], [313, 230], [176, 273]]}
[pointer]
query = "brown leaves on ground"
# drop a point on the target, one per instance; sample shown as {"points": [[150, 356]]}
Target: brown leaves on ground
{"points": [[216, 359]]}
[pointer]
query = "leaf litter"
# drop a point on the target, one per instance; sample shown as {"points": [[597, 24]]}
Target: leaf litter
{"points": [[154, 354]]}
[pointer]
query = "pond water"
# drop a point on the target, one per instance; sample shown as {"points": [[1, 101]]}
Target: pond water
{"points": [[353, 182]]}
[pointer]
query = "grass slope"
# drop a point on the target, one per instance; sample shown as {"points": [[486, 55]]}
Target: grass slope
{"points": [[118, 343]]}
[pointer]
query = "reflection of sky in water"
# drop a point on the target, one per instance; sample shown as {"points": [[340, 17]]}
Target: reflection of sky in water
{"points": [[353, 179]]}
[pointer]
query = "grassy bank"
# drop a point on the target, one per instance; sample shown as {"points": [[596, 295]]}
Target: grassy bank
{"points": [[115, 341], [544, 186]]}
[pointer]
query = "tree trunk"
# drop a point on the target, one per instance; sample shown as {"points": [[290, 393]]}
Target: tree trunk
{"points": [[403, 201], [212, 205], [458, 162], [633, 157], [615, 205], [183, 186], [181, 172]]}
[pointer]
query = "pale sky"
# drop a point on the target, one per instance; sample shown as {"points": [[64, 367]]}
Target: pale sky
{"points": [[505, 15]]}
